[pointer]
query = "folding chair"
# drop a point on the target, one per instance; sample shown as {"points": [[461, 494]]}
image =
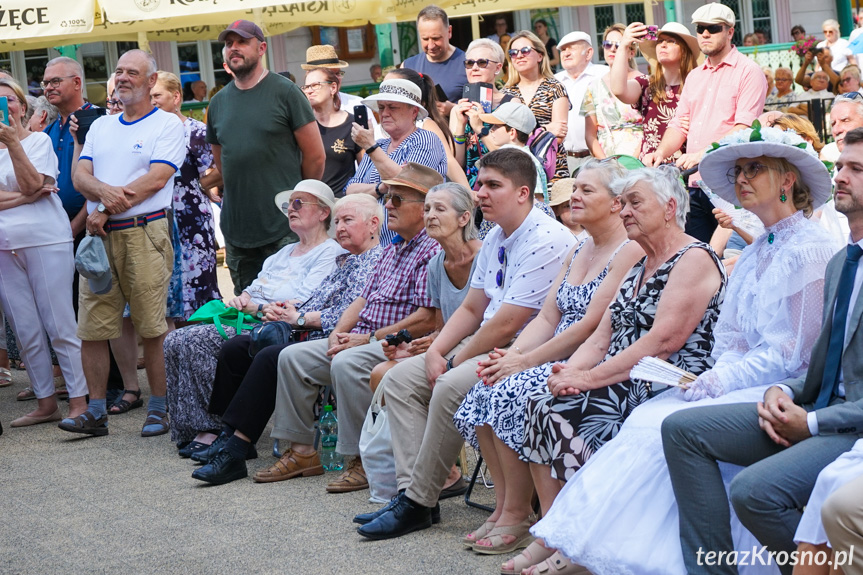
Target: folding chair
{"points": [[478, 470]]}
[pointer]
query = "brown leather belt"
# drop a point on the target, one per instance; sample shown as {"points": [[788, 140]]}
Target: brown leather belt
{"points": [[579, 154]]}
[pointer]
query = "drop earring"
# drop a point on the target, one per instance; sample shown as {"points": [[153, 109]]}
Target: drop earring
{"points": [[782, 198]]}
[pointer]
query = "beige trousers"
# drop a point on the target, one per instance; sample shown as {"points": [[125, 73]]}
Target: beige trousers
{"points": [[425, 440], [842, 516]]}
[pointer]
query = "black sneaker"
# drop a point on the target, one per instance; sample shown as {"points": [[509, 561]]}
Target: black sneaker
{"points": [[223, 468]]}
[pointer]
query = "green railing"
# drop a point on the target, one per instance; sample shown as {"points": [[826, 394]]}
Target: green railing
{"points": [[361, 90]]}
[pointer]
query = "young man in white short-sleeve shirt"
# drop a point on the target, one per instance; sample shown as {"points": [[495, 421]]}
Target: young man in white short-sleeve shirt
{"points": [[515, 268], [126, 172]]}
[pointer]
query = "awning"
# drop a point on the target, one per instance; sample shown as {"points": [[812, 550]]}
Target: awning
{"points": [[28, 19]]}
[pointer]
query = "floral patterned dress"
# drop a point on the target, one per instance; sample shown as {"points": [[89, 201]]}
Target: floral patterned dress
{"points": [[619, 126], [502, 405], [564, 432], [193, 219], [656, 115]]}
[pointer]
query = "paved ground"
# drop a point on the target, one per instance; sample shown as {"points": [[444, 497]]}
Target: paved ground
{"points": [[127, 504]]}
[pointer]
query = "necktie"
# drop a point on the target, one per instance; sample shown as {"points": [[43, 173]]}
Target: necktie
{"points": [[833, 362]]}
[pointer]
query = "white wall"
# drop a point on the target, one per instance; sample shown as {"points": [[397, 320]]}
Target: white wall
{"points": [[811, 14]]}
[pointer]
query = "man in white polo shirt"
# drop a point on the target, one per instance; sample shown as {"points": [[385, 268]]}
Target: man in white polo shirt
{"points": [[126, 172], [576, 51]]}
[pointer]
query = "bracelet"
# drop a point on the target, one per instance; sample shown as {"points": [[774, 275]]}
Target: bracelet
{"points": [[518, 349], [378, 189], [459, 139], [371, 149]]}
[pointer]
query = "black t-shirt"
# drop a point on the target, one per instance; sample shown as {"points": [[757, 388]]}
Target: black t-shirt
{"points": [[341, 153]]}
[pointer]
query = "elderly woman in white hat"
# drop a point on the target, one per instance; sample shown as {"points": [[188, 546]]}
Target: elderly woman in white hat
{"points": [[289, 275], [673, 53], [618, 514], [399, 103]]}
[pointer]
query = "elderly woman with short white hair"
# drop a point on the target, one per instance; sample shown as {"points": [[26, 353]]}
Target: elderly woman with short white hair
{"points": [[399, 103], [290, 275]]}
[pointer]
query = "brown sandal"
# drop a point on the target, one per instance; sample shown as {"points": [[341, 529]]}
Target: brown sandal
{"points": [[352, 479], [291, 465], [122, 406]]}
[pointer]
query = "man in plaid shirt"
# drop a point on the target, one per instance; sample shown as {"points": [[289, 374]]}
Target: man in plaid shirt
{"points": [[395, 298]]}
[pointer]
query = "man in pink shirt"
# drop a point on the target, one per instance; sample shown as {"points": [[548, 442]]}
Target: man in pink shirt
{"points": [[723, 95]]}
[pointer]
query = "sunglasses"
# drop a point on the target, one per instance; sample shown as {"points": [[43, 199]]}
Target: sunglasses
{"points": [[523, 51], [846, 80], [609, 45], [749, 171], [482, 63], [847, 97], [712, 28], [501, 258], [297, 205], [397, 200]]}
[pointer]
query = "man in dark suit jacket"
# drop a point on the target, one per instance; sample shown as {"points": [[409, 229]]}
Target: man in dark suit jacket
{"points": [[786, 440]]}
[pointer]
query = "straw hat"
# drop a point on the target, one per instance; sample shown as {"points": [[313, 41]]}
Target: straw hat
{"points": [[772, 143], [648, 47], [398, 90], [322, 56], [561, 191], [416, 177]]}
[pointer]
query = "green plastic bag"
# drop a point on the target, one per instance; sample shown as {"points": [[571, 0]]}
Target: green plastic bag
{"points": [[219, 314]]}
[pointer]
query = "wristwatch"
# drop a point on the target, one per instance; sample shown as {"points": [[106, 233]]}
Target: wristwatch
{"points": [[372, 337], [378, 189], [260, 313], [371, 149], [301, 321], [484, 132], [101, 208], [449, 364]]}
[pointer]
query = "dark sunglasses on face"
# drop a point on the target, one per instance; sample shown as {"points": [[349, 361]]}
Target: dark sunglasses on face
{"points": [[712, 28], [609, 45], [482, 63], [296, 205], [397, 200], [523, 51], [750, 170]]}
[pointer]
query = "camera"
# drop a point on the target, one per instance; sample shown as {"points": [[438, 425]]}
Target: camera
{"points": [[394, 339]]}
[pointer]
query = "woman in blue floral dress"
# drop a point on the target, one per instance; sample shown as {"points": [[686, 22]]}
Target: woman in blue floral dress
{"points": [[193, 281]]}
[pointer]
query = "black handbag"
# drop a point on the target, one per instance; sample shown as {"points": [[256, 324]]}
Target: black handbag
{"points": [[274, 333]]}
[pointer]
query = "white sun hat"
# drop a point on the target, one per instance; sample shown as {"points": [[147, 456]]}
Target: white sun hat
{"points": [[770, 142], [398, 90]]}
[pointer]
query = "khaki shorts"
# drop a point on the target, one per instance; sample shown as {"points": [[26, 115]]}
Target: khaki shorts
{"points": [[141, 263]]}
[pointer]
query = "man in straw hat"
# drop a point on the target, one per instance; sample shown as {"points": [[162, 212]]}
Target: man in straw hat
{"points": [[802, 424], [265, 140], [576, 53], [395, 298], [439, 59], [725, 94], [515, 267], [325, 56]]}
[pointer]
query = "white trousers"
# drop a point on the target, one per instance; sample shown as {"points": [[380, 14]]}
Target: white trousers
{"points": [[36, 294]]}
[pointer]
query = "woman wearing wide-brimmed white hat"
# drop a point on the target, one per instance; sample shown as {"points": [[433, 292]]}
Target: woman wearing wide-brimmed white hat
{"points": [[399, 103], [672, 55]]}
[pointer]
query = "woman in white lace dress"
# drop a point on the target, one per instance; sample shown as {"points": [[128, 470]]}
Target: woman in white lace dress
{"points": [[618, 514]]}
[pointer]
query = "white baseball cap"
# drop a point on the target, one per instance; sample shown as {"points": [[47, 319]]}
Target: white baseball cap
{"points": [[513, 114]]}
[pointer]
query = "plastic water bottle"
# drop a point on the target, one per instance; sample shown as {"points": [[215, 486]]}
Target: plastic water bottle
{"points": [[329, 426]]}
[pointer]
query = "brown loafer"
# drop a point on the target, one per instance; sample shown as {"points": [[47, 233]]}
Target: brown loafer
{"points": [[291, 465], [352, 479]]}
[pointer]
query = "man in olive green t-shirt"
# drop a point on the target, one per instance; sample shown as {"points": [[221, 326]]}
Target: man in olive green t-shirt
{"points": [[265, 140]]}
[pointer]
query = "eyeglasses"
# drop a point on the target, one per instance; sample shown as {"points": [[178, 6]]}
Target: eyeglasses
{"points": [[523, 51], [297, 205], [54, 82], [113, 103], [313, 86], [749, 171], [712, 28], [606, 45], [846, 80], [482, 63], [501, 274], [397, 200]]}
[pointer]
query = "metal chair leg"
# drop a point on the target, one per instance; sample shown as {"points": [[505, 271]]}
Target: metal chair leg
{"points": [[476, 472]]}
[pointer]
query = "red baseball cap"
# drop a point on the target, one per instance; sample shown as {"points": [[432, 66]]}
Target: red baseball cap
{"points": [[244, 29]]}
